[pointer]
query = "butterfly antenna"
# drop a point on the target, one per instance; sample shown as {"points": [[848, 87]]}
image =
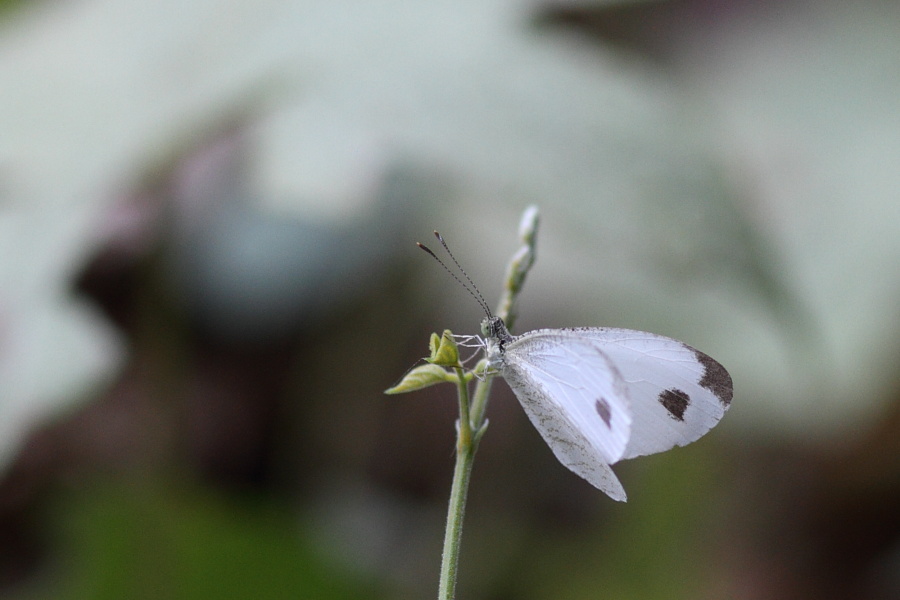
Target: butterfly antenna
{"points": [[475, 294]]}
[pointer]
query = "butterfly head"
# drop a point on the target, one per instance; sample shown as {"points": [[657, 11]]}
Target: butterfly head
{"points": [[495, 337], [493, 328]]}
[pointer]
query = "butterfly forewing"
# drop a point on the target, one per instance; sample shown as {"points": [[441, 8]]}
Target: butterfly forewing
{"points": [[677, 393], [576, 399]]}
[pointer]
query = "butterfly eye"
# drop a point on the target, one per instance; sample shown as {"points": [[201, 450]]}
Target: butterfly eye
{"points": [[486, 327], [494, 327]]}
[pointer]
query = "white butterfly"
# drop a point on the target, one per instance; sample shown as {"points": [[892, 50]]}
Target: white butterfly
{"points": [[600, 395]]}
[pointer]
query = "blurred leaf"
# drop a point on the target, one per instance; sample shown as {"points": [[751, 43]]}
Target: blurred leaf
{"points": [[151, 541], [54, 348]]}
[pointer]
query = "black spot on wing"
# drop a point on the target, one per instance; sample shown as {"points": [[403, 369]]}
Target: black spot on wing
{"points": [[715, 378], [602, 407], [675, 401]]}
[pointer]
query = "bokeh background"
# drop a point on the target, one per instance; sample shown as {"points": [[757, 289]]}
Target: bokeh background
{"points": [[208, 277]]}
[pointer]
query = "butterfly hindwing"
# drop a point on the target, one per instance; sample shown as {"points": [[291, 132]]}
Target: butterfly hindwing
{"points": [[677, 393], [577, 400]]}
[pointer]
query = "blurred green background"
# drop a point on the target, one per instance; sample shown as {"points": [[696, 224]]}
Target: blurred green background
{"points": [[208, 277]]}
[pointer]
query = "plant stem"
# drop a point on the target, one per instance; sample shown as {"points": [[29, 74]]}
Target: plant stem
{"points": [[479, 404], [466, 444], [470, 429], [453, 536], [472, 422]]}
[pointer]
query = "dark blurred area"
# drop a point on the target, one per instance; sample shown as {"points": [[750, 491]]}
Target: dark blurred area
{"points": [[238, 443]]}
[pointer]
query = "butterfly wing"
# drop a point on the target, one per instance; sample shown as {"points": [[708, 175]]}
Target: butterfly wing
{"points": [[677, 393], [576, 399]]}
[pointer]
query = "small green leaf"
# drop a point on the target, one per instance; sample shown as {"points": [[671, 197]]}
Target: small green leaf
{"points": [[422, 377], [443, 350], [433, 344]]}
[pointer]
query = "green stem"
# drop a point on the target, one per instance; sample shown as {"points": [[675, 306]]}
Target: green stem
{"points": [[466, 444], [479, 404], [472, 422], [453, 535]]}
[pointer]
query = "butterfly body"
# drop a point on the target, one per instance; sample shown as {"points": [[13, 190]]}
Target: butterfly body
{"points": [[600, 395]]}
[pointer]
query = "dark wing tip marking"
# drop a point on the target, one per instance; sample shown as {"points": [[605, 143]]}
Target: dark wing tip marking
{"points": [[716, 379], [675, 401], [602, 407]]}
